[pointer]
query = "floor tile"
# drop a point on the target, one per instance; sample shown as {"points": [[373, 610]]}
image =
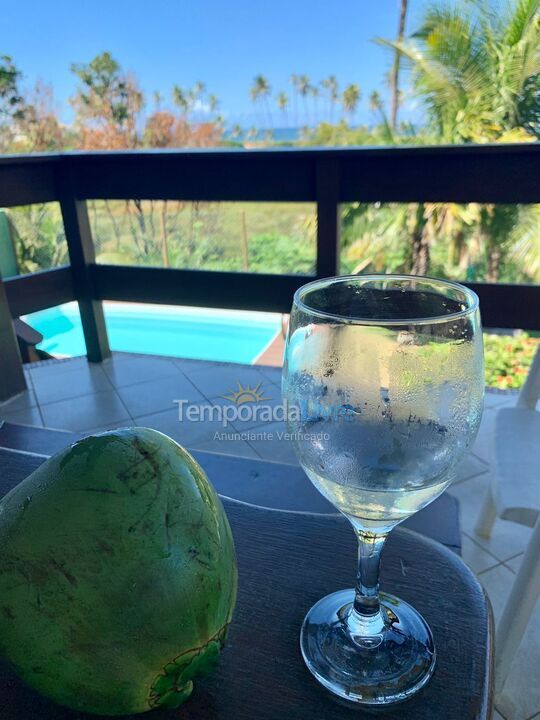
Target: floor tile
{"points": [[24, 416], [497, 582], [514, 563], [469, 467], [273, 374], [188, 365], [475, 556], [189, 433], [24, 399], [269, 443], [520, 699], [87, 411], [253, 414], [507, 539], [230, 446], [58, 367], [152, 396], [483, 446], [224, 379], [494, 398], [77, 379], [128, 369]]}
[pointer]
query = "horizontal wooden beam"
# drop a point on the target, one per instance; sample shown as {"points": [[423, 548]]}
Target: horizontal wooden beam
{"points": [[202, 288], [38, 291], [505, 306], [23, 182], [469, 173], [508, 306], [497, 174]]}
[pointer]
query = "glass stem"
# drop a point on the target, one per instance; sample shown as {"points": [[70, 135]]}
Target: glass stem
{"points": [[365, 618]]}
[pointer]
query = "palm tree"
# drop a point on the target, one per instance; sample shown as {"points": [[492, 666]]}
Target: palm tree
{"points": [[375, 101], [196, 96], [282, 103], [351, 98], [260, 90], [199, 89], [294, 83], [180, 99], [394, 75], [477, 69], [213, 103], [315, 96], [304, 89], [330, 84]]}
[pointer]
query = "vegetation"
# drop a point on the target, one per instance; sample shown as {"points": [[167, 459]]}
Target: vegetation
{"points": [[508, 359], [473, 66]]}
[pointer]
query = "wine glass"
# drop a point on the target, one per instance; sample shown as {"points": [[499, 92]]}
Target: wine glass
{"points": [[384, 381]]}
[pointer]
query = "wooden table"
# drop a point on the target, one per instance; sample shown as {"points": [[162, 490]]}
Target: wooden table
{"points": [[286, 562]]}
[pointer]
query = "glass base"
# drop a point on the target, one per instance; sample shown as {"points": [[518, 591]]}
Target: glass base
{"points": [[376, 663]]}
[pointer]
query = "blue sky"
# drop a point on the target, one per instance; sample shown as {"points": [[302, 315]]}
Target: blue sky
{"points": [[225, 44]]}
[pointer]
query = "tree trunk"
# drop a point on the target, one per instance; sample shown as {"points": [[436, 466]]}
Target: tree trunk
{"points": [[113, 223], [488, 240], [164, 245], [494, 263], [394, 77], [133, 229], [142, 223], [420, 256], [244, 239]]}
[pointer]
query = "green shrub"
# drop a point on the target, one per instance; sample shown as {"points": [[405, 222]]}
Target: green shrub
{"points": [[508, 359]]}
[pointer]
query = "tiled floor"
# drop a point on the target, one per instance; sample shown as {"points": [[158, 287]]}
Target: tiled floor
{"points": [[138, 389]]}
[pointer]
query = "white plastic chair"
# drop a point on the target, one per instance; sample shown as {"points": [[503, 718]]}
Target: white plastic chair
{"points": [[514, 495]]}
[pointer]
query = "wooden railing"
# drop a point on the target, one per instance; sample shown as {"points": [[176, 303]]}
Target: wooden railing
{"points": [[328, 177]]}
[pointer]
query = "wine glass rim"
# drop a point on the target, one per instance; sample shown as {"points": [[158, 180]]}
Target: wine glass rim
{"points": [[470, 296]]}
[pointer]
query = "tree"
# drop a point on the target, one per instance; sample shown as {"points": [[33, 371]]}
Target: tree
{"points": [[260, 91], [294, 82], [213, 103], [394, 75], [330, 84], [282, 103], [107, 103], [351, 98], [304, 90], [11, 101], [477, 69], [179, 98], [38, 127]]}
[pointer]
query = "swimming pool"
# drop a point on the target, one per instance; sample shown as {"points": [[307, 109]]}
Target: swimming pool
{"points": [[201, 333]]}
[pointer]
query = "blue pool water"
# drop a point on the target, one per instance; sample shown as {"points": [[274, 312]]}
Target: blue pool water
{"points": [[226, 335]]}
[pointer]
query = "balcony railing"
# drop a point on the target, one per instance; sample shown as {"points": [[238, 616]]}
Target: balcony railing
{"points": [[483, 174]]}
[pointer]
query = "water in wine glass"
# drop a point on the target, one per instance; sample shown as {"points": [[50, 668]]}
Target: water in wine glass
{"points": [[381, 453]]}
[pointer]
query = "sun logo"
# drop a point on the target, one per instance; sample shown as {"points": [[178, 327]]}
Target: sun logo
{"points": [[246, 394]]}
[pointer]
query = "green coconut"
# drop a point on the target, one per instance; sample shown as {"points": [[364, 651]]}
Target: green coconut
{"points": [[117, 574]]}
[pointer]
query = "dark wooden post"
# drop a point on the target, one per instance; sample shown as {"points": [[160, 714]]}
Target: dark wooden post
{"points": [[12, 380], [82, 256], [328, 217]]}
